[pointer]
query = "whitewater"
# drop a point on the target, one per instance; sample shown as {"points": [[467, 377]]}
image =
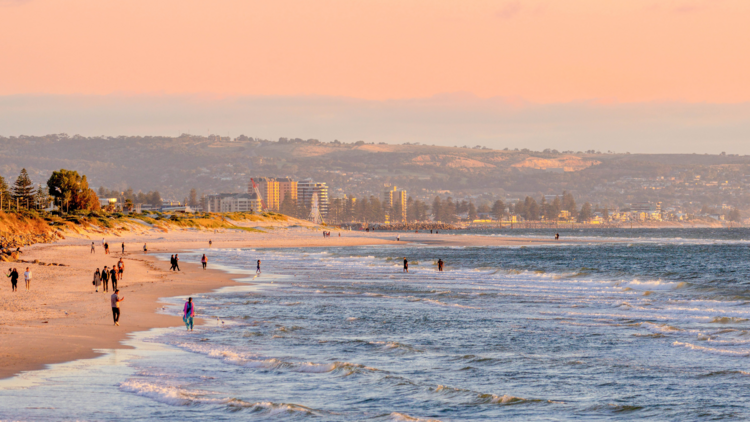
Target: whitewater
{"points": [[633, 329]]}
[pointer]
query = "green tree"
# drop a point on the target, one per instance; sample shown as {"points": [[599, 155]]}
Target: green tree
{"points": [[531, 209], [569, 204], [4, 194], [23, 190], [472, 212], [72, 190], [585, 214], [498, 209], [437, 209], [41, 199], [288, 206]]}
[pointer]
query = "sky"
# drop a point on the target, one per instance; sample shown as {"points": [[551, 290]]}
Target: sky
{"points": [[668, 74]]}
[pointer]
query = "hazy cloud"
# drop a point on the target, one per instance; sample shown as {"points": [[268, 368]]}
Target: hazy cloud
{"points": [[455, 119], [509, 10]]}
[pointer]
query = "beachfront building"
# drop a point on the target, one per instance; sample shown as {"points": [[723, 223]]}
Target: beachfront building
{"points": [[394, 202], [287, 188], [233, 202], [269, 190], [306, 189]]}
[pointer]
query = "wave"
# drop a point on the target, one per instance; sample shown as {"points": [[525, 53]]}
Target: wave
{"points": [[712, 350], [398, 416]]}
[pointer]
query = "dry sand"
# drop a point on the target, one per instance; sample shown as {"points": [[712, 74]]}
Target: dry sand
{"points": [[62, 318]]}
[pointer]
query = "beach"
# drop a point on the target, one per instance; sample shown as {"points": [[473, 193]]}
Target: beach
{"points": [[62, 318]]}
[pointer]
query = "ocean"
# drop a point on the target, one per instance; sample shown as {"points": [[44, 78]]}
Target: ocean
{"points": [[645, 324]]}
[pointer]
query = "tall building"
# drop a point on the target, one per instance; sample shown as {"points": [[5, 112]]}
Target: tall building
{"points": [[287, 188], [305, 191], [233, 202], [269, 190], [392, 198]]}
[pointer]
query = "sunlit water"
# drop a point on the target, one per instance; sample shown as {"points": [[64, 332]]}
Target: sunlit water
{"points": [[619, 331]]}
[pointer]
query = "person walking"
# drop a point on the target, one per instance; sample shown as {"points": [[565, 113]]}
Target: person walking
{"points": [[257, 270], [123, 248], [210, 243], [177, 261], [440, 265], [105, 279], [145, 249], [406, 265], [13, 279], [93, 250], [27, 278], [204, 261], [120, 269], [171, 263], [106, 248], [113, 277], [188, 312], [97, 279], [116, 299]]}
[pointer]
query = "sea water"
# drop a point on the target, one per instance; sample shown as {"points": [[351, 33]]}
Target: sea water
{"points": [[649, 327]]}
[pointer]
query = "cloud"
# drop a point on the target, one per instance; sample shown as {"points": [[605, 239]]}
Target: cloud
{"points": [[510, 10], [449, 119], [11, 3]]}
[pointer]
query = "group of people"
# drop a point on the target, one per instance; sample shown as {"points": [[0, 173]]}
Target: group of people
{"points": [[114, 274], [328, 234], [175, 262], [13, 275]]}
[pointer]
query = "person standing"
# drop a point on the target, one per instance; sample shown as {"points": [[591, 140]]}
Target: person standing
{"points": [[440, 265], [97, 279], [116, 299], [257, 269], [106, 248], [93, 250], [177, 261], [406, 265], [204, 261], [123, 248], [27, 278], [105, 279], [145, 249], [120, 269], [13, 279], [188, 312], [113, 276], [557, 236], [210, 243]]}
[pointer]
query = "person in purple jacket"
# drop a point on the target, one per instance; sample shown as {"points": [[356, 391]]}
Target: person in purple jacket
{"points": [[188, 314]]}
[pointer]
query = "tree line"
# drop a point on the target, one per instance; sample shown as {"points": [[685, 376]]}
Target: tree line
{"points": [[65, 188]]}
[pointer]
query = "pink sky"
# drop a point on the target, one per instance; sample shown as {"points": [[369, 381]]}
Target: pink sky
{"points": [[537, 50]]}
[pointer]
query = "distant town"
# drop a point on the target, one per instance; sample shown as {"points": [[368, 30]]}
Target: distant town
{"points": [[377, 183]]}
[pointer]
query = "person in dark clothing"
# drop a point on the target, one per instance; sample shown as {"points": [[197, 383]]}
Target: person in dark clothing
{"points": [[171, 262], [113, 276], [177, 261], [557, 236], [105, 279], [123, 247], [406, 266], [116, 299], [440, 265], [257, 270], [106, 248], [13, 279]]}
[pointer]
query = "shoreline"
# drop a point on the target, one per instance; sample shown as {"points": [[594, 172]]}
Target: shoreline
{"points": [[62, 319]]}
